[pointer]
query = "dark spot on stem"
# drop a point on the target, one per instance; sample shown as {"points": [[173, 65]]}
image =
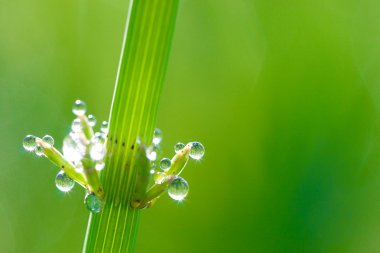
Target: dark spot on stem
{"points": [[63, 166], [116, 141], [123, 144], [132, 147]]}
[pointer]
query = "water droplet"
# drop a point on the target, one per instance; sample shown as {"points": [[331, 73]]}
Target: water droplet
{"points": [[99, 137], [159, 177], [104, 127], [76, 126], [99, 166], [159, 151], [151, 154], [178, 147], [152, 171], [178, 189], [165, 164], [91, 120], [157, 136], [29, 143], [93, 203], [97, 151], [197, 150], [78, 166], [79, 107], [63, 182], [39, 151], [48, 139], [73, 149]]}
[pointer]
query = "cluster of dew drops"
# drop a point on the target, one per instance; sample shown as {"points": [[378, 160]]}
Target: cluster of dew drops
{"points": [[75, 147], [178, 188]]}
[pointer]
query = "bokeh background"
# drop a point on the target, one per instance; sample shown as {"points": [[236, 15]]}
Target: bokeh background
{"points": [[283, 94]]}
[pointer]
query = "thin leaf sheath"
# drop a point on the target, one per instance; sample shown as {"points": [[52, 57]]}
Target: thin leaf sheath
{"points": [[142, 68]]}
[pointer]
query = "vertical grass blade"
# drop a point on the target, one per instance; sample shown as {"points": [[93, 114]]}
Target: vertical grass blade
{"points": [[142, 68]]}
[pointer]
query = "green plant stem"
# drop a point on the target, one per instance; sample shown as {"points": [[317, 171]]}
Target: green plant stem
{"points": [[142, 68]]}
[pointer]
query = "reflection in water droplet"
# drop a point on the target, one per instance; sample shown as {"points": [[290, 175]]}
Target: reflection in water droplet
{"points": [[39, 151], [178, 147], [91, 120], [93, 203], [151, 154], [157, 136], [48, 139], [79, 107], [63, 182], [165, 164], [197, 150], [104, 127], [29, 142], [178, 189]]}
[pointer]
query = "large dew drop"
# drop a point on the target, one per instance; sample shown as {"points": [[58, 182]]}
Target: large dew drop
{"points": [[197, 150], [63, 182], [29, 143], [178, 189], [157, 136], [178, 147], [93, 203], [165, 164], [79, 107], [48, 139]]}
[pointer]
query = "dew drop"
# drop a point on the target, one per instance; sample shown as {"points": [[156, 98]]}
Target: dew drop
{"points": [[73, 149], [197, 150], [165, 164], [151, 154], [29, 143], [48, 139], [104, 127], [99, 166], [97, 151], [152, 171], [91, 120], [157, 136], [159, 151], [76, 126], [93, 203], [78, 166], [63, 182], [79, 107], [39, 151], [99, 137], [178, 189], [159, 177], [178, 147]]}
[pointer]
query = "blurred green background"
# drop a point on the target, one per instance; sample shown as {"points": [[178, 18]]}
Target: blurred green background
{"points": [[283, 94]]}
